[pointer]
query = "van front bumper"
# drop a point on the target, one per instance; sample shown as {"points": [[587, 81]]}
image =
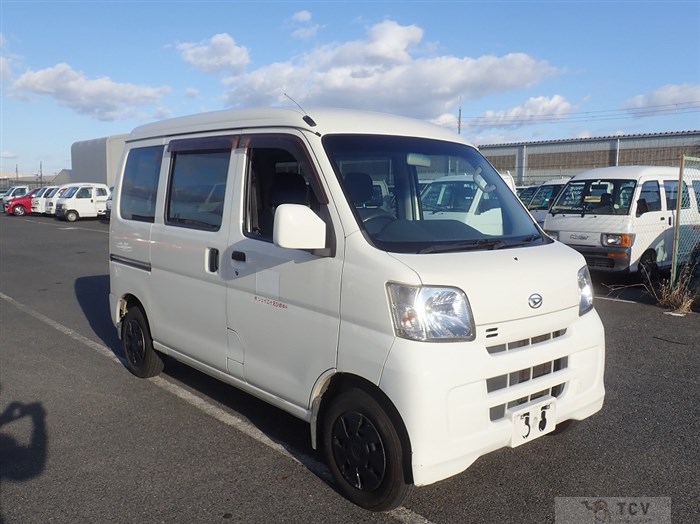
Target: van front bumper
{"points": [[458, 400], [605, 259]]}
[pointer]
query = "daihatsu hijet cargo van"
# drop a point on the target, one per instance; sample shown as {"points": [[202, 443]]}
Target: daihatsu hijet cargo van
{"points": [[412, 346], [543, 197], [82, 201], [39, 200], [622, 218]]}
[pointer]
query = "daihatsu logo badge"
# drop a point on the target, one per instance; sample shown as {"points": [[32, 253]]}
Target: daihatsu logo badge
{"points": [[535, 300]]}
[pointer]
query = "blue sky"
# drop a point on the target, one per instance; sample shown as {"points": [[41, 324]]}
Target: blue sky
{"points": [[520, 70]]}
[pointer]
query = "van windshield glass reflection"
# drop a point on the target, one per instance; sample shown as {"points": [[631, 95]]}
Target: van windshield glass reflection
{"points": [[416, 195]]}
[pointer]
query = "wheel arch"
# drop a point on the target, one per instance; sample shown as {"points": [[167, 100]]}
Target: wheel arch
{"points": [[124, 304], [338, 383]]}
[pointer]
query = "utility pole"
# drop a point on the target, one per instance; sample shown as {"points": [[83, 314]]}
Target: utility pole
{"points": [[17, 172], [459, 117], [41, 174]]}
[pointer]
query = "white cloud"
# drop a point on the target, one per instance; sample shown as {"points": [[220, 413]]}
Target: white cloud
{"points": [[102, 98], [8, 154], [667, 99], [384, 72], [191, 92], [302, 16], [305, 29], [5, 69], [219, 53], [536, 109]]}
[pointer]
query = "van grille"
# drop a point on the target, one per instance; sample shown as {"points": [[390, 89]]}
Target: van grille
{"points": [[517, 344], [524, 375], [600, 262]]}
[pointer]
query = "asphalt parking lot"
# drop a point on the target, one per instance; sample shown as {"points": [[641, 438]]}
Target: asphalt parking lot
{"points": [[82, 440]]}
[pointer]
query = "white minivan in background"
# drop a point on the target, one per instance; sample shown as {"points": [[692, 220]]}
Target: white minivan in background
{"points": [[85, 200], [52, 198], [622, 218], [543, 197], [39, 200], [250, 245]]}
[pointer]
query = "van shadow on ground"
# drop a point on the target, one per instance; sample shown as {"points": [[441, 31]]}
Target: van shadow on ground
{"points": [[93, 296]]}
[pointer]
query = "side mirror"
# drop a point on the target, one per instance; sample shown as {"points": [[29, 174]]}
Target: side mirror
{"points": [[642, 207], [297, 227]]}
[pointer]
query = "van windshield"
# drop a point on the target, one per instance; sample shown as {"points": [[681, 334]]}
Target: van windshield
{"points": [[69, 192], [597, 197], [464, 204]]}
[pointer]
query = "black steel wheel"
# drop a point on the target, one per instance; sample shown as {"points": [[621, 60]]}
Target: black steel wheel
{"points": [[648, 269], [141, 359], [364, 452]]}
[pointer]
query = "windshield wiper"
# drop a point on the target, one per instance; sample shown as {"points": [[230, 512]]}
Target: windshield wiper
{"points": [[464, 246]]}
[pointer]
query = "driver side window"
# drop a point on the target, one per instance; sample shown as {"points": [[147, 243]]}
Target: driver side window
{"points": [[278, 172]]}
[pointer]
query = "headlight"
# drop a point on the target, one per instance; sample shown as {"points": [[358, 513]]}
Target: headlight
{"points": [[554, 235], [585, 291], [611, 239], [430, 313]]}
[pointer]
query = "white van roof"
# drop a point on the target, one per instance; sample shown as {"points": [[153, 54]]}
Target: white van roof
{"points": [[317, 120], [627, 172]]}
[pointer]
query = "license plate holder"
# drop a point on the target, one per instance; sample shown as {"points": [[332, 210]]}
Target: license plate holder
{"points": [[533, 419]]}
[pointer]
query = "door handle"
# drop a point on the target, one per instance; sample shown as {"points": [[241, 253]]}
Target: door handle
{"points": [[238, 256], [213, 260]]}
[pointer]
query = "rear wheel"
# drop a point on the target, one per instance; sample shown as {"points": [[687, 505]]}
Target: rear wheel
{"points": [[364, 452], [141, 359], [18, 211]]}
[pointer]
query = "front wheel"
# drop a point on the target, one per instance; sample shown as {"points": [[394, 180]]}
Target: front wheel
{"points": [[364, 452], [71, 216], [141, 359], [648, 269], [19, 211]]}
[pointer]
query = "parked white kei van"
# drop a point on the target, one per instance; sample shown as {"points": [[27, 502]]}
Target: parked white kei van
{"points": [[52, 197], [39, 200], [622, 218], [86, 200], [411, 346], [543, 197]]}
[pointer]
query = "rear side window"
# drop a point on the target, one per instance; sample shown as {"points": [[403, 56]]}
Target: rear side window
{"points": [[652, 195], [197, 188], [671, 188], [140, 184]]}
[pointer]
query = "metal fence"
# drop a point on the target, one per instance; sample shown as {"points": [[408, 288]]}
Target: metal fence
{"points": [[686, 245]]}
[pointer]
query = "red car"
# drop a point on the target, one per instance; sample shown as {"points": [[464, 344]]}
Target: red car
{"points": [[21, 205]]}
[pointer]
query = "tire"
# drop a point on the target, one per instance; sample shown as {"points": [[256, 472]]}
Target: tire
{"points": [[648, 269], [364, 452], [19, 211], [141, 359], [71, 216]]}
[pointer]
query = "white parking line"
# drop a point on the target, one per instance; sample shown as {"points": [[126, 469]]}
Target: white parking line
{"points": [[401, 514], [613, 299], [62, 227]]}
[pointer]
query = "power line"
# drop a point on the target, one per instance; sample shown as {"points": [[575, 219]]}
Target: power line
{"points": [[584, 116]]}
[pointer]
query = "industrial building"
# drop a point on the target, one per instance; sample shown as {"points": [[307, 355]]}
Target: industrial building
{"points": [[536, 162]]}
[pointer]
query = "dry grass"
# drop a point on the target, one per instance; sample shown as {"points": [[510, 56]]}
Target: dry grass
{"points": [[680, 296]]}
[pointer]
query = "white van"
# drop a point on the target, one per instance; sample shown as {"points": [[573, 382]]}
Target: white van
{"points": [[412, 346], [12, 192], [85, 200], [543, 197], [52, 198], [622, 218], [39, 200]]}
